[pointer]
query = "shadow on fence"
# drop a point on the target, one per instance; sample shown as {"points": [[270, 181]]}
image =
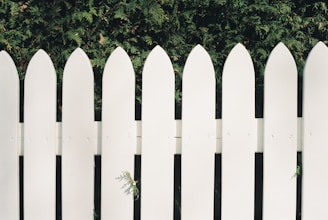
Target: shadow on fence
{"points": [[177, 187]]}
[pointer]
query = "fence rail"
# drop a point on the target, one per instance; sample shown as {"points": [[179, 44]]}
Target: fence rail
{"points": [[215, 155], [258, 148]]}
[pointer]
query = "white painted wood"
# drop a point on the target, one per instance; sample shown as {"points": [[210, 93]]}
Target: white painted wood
{"points": [[260, 135], [139, 133], [238, 135], [259, 124], [218, 136], [158, 130], [315, 151], [118, 135], [299, 134], [9, 110], [40, 138], [178, 135], [198, 137], [79, 138], [280, 135]]}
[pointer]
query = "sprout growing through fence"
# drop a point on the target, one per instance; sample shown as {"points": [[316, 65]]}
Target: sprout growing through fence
{"points": [[130, 185]]}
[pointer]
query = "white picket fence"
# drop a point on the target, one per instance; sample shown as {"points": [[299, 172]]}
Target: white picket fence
{"points": [[197, 137]]}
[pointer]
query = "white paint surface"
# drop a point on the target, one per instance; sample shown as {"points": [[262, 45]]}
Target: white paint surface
{"points": [[39, 138], [9, 110], [238, 136], [118, 139], [79, 138], [280, 136], [198, 137], [158, 130], [315, 150]]}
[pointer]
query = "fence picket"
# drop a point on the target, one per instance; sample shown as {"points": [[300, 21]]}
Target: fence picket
{"points": [[238, 135], [79, 138], [158, 131], [315, 151], [280, 135], [198, 137], [9, 110], [40, 138], [118, 134]]}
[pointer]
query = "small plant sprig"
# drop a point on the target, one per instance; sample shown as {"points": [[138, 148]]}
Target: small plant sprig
{"points": [[298, 170], [130, 185]]}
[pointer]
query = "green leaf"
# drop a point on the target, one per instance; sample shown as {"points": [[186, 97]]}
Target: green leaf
{"points": [[74, 36], [120, 14]]}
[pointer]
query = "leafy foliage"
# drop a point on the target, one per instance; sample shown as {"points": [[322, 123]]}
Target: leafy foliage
{"points": [[130, 185], [98, 27]]}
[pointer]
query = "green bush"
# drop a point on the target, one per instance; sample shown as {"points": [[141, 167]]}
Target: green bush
{"points": [[98, 27]]}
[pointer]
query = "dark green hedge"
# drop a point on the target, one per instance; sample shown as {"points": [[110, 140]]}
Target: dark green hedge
{"points": [[98, 27]]}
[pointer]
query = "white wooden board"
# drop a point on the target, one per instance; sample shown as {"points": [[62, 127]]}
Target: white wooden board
{"points": [[40, 138], [198, 137], [315, 150], [158, 131], [9, 110], [280, 135], [238, 135], [79, 138], [118, 135]]}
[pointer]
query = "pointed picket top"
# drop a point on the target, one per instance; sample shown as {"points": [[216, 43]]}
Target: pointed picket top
{"points": [[238, 55], [156, 59], [118, 134], [8, 68], [78, 56], [158, 71], [198, 135], [40, 138], [9, 84], [198, 80], [238, 135], [158, 130], [315, 151], [238, 77], [79, 138], [198, 58], [78, 73], [40, 61], [77, 64], [9, 117], [280, 135], [316, 58]]}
